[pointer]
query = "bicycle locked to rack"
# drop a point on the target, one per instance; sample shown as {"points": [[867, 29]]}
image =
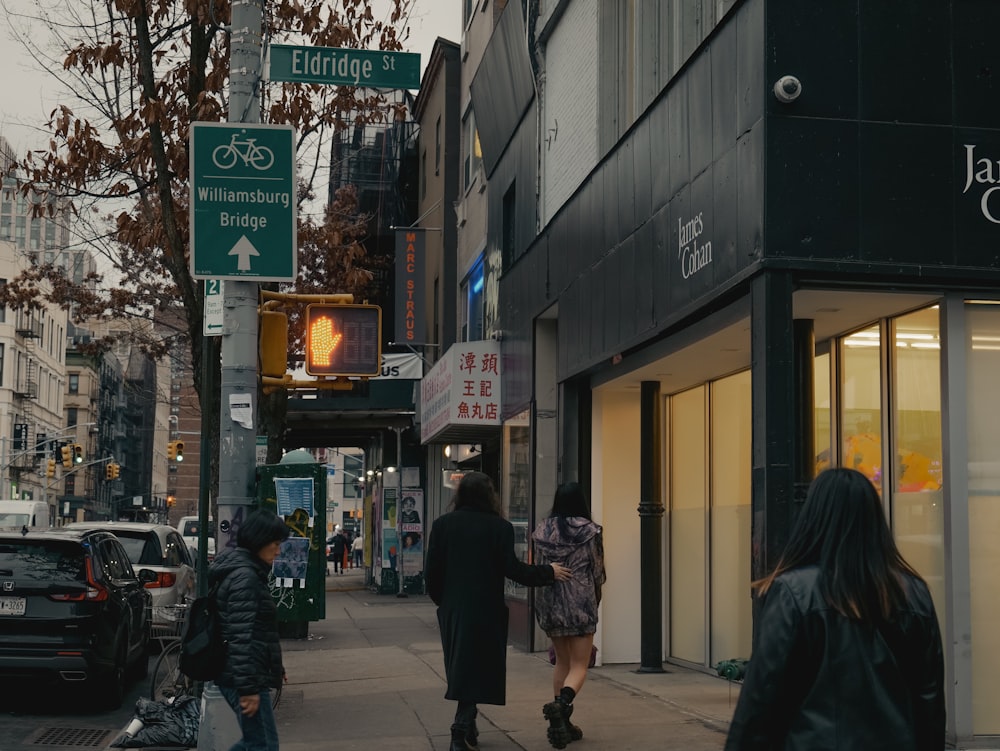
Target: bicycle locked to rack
{"points": [[169, 683]]}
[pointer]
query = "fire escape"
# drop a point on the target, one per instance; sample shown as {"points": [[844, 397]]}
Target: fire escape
{"points": [[28, 331]]}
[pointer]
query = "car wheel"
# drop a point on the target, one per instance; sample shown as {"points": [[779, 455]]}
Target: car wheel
{"points": [[111, 685]]}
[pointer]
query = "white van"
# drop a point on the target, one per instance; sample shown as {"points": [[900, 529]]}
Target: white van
{"points": [[188, 527], [20, 514]]}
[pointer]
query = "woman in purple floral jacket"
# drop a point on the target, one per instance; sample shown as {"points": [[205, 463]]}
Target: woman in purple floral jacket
{"points": [[567, 611]]}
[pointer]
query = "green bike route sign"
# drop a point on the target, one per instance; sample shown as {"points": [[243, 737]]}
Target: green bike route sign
{"points": [[376, 69], [243, 215]]}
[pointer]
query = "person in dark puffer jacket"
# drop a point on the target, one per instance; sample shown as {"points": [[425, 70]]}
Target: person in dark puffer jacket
{"points": [[249, 620]]}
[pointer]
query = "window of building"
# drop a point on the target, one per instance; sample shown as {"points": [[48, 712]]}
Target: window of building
{"points": [[3, 308], [915, 495], [35, 236], [71, 416], [861, 403], [436, 330], [2, 364], [641, 46], [982, 355], [473, 151], [74, 383], [509, 225], [515, 490], [472, 303], [423, 174], [437, 147]]}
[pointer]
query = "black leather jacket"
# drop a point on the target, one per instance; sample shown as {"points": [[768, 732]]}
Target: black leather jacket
{"points": [[818, 680]]}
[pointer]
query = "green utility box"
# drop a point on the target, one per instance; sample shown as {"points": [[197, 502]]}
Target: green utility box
{"points": [[296, 491]]}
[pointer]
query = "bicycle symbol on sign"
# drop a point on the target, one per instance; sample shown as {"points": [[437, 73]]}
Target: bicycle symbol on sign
{"points": [[226, 155]]}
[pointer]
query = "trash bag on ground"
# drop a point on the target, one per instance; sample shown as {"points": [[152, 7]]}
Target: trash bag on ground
{"points": [[163, 724]]}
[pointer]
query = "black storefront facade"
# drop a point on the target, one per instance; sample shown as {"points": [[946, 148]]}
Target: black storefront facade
{"points": [[749, 287]]}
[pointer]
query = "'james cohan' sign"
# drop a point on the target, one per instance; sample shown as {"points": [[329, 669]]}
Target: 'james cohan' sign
{"points": [[983, 171]]}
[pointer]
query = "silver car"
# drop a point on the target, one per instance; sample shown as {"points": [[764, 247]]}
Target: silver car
{"points": [[161, 549]]}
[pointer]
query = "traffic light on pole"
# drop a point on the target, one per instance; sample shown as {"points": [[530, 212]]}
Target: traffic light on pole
{"points": [[179, 450], [116, 470], [343, 340], [109, 472], [273, 343], [67, 456], [78, 453], [50, 468]]}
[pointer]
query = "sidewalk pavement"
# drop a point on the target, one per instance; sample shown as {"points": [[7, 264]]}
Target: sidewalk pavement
{"points": [[371, 675]]}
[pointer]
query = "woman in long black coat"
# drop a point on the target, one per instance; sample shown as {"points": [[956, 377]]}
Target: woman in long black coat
{"points": [[469, 553]]}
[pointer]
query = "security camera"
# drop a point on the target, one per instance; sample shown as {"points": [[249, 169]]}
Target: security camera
{"points": [[787, 89]]}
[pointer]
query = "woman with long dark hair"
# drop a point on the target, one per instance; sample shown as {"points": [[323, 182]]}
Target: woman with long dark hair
{"points": [[567, 611], [847, 649], [469, 553]]}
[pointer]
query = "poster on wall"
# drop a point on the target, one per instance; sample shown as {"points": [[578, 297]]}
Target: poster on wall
{"points": [[293, 493], [411, 527], [291, 563], [390, 535]]}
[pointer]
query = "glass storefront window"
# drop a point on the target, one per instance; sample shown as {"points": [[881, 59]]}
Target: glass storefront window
{"points": [[688, 501], [861, 403], [821, 409], [515, 490], [916, 498], [983, 416], [732, 420]]}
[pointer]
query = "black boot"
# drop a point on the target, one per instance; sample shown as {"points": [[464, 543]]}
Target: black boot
{"points": [[557, 713], [460, 739], [472, 737], [575, 733]]}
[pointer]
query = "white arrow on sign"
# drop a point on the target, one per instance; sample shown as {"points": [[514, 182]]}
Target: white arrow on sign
{"points": [[243, 249]]}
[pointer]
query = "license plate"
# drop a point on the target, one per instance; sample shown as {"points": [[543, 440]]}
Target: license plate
{"points": [[12, 605]]}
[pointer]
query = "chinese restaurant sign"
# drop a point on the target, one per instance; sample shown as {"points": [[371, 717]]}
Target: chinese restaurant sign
{"points": [[462, 389]]}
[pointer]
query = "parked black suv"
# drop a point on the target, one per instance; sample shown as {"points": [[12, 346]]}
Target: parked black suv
{"points": [[72, 609]]}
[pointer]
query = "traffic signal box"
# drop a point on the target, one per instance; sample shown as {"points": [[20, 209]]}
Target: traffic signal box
{"points": [[78, 453], [175, 451], [50, 468], [343, 340], [273, 343], [111, 471], [67, 456]]}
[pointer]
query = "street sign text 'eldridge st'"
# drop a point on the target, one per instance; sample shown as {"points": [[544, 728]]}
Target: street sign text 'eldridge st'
{"points": [[243, 214], [375, 69]]}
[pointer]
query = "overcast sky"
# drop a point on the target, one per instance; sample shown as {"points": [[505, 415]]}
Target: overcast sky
{"points": [[28, 94]]}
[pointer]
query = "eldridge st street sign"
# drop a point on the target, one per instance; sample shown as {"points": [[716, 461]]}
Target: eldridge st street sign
{"points": [[375, 69], [243, 217]]}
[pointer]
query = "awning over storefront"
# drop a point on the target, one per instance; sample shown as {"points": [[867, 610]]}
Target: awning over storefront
{"points": [[460, 396]]}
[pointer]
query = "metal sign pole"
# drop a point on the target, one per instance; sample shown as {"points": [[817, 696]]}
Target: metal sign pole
{"points": [[399, 508], [238, 392]]}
